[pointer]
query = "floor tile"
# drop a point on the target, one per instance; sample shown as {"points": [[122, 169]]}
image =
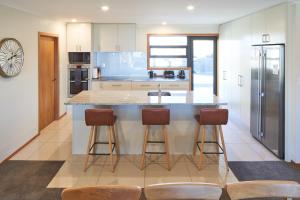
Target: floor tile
{"points": [[156, 173], [125, 173]]}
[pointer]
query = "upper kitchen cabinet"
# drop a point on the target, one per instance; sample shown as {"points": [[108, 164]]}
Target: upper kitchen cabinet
{"points": [[269, 26], [127, 37], [79, 37], [114, 37]]}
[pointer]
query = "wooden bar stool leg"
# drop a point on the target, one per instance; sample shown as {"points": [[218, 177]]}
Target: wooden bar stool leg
{"points": [[223, 145], [95, 140], [146, 133], [92, 131], [203, 137], [216, 137], [110, 148], [116, 140], [196, 139], [166, 137]]}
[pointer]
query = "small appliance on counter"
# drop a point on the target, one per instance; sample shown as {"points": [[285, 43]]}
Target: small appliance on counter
{"points": [[151, 74], [181, 74], [169, 74], [96, 73]]}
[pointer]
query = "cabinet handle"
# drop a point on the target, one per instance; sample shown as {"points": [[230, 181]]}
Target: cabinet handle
{"points": [[145, 85], [174, 85], [224, 75], [240, 80], [266, 38], [116, 85]]}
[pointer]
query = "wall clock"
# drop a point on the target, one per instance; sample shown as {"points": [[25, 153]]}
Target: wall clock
{"points": [[11, 57]]}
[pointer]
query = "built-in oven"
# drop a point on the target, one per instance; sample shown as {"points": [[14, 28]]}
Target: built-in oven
{"points": [[79, 57]]}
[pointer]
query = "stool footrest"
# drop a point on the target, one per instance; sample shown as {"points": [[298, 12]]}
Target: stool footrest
{"points": [[152, 152], [156, 142], [103, 154], [210, 142]]}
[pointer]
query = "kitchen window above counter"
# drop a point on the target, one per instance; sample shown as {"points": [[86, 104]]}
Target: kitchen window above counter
{"points": [[167, 51]]}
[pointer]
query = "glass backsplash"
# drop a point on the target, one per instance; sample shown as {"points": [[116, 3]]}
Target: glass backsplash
{"points": [[121, 63]]}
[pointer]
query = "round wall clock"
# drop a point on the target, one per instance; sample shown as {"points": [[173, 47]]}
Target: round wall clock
{"points": [[11, 57]]}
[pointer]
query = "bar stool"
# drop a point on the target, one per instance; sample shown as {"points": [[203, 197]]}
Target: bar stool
{"points": [[101, 117], [216, 118], [155, 116]]}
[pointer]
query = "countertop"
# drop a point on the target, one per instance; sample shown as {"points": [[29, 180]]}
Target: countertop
{"points": [[133, 97], [138, 79]]}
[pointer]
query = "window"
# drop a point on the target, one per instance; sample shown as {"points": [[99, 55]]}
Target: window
{"points": [[167, 51]]}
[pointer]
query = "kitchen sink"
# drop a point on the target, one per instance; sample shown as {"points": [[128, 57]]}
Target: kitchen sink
{"points": [[159, 94]]}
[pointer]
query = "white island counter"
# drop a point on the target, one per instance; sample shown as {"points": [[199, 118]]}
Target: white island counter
{"points": [[127, 107]]}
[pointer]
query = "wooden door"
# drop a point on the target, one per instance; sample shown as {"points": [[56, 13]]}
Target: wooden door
{"points": [[47, 80]]}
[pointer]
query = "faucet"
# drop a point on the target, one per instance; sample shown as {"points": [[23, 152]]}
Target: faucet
{"points": [[159, 89]]}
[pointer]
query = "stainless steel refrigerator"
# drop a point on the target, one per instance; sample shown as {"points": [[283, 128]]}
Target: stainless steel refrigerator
{"points": [[267, 97]]}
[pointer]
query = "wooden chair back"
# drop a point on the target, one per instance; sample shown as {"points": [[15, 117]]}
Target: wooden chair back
{"points": [[113, 192], [263, 189], [180, 191]]}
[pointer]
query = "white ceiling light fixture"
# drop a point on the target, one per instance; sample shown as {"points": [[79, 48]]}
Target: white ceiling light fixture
{"points": [[74, 20], [190, 7], [164, 23], [105, 8]]}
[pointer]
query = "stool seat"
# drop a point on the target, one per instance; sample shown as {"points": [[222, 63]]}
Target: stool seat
{"points": [[212, 116], [156, 116], [100, 117]]}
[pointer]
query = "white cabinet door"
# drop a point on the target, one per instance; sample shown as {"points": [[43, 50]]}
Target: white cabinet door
{"points": [[224, 63], [180, 85], [258, 27], [96, 85], [72, 38], [276, 23], [127, 37], [108, 38], [79, 37], [116, 85], [145, 85], [96, 37]]}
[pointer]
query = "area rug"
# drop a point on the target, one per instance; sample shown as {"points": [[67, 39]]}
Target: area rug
{"points": [[27, 180], [266, 170]]}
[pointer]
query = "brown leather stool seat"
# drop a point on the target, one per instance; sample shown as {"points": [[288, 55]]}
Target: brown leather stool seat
{"points": [[101, 117], [210, 117], [155, 116]]}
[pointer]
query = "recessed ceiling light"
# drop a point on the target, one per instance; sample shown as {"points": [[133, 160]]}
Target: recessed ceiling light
{"points": [[105, 8], [164, 23], [74, 20], [190, 7]]}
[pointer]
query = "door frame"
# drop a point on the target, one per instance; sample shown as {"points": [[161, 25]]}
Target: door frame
{"points": [[191, 63], [56, 73]]}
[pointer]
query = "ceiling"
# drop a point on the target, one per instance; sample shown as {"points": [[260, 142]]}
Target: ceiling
{"points": [[142, 11]]}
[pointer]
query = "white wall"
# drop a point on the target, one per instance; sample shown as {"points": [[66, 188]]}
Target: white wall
{"points": [[143, 30], [19, 95]]}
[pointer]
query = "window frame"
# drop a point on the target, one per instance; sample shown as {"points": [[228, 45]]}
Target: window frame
{"points": [[172, 46]]}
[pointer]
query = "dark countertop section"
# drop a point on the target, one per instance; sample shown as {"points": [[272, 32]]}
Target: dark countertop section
{"points": [[137, 79]]}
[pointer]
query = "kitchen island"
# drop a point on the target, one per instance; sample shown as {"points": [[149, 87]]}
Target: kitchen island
{"points": [[127, 107]]}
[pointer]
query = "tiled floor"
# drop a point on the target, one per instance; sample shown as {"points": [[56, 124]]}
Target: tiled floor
{"points": [[54, 143]]}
